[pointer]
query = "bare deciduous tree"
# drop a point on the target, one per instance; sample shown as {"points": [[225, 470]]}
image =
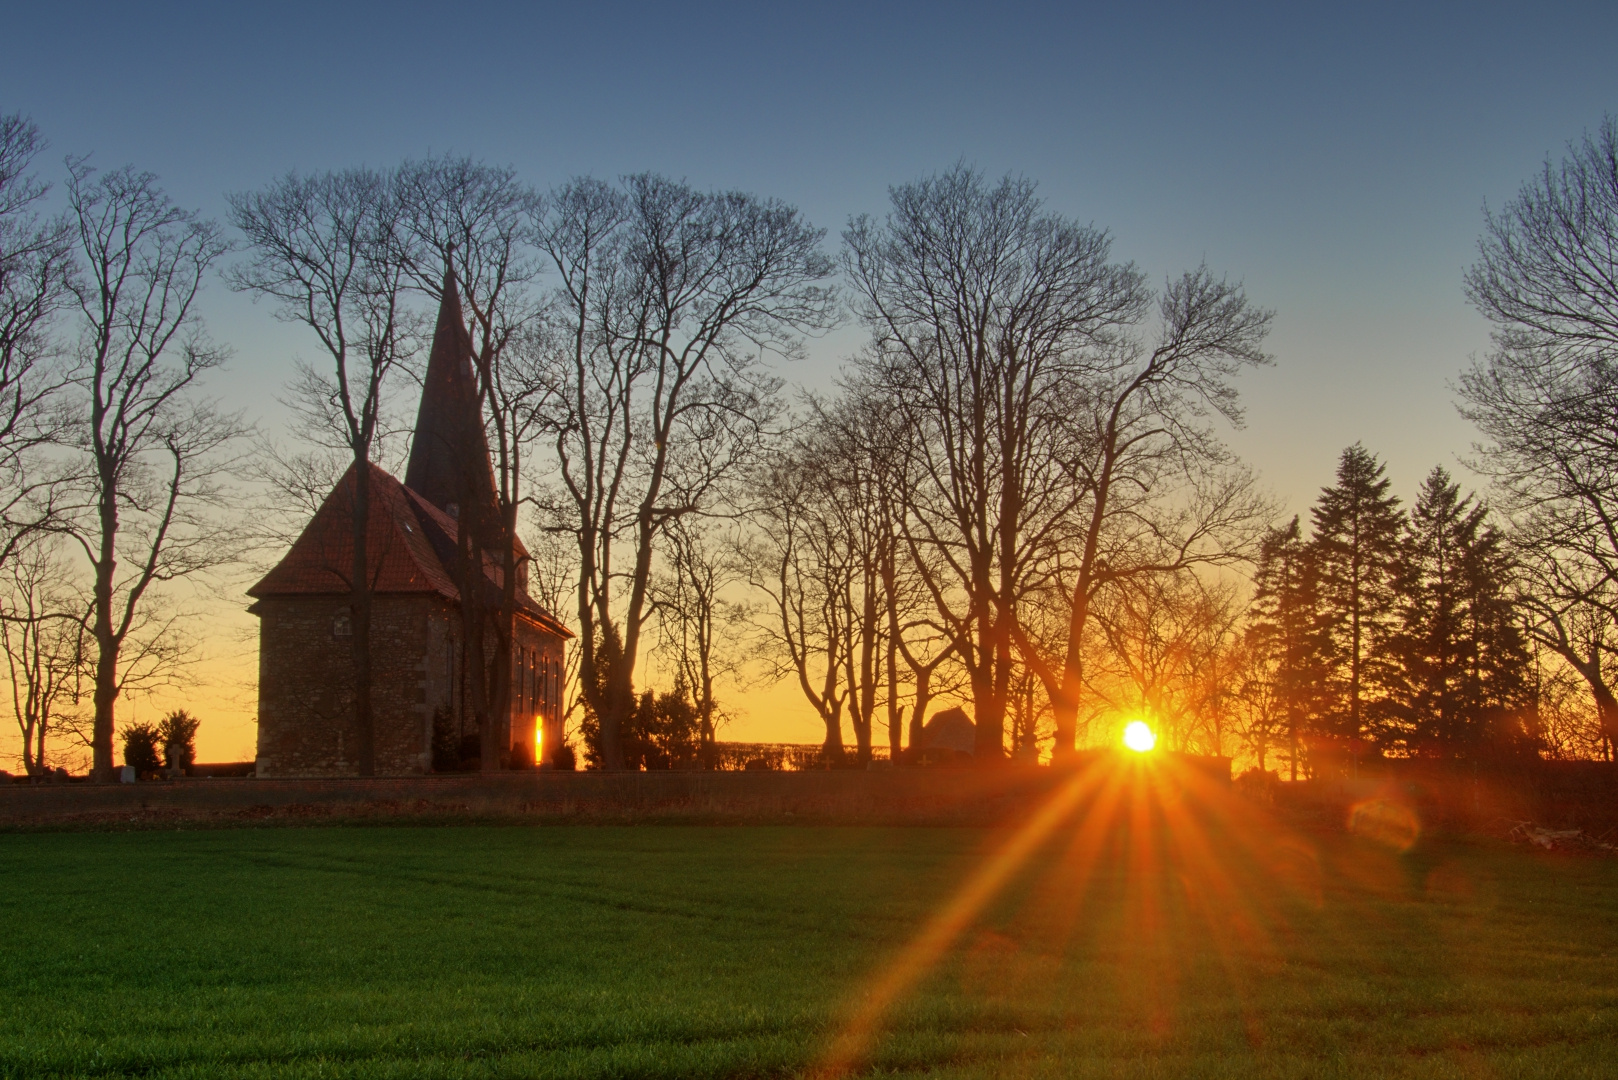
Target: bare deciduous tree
{"points": [[1572, 606], [695, 618], [44, 632], [1156, 493], [36, 262], [474, 218], [668, 299], [1004, 337], [1168, 652], [327, 250], [148, 444], [553, 582], [797, 561], [826, 555], [981, 305], [1546, 397]]}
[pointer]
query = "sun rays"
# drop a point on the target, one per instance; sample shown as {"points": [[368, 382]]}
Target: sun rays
{"points": [[1195, 862]]}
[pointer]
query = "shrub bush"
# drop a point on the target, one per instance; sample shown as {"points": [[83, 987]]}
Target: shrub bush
{"points": [[177, 737], [471, 753], [140, 749], [446, 747]]}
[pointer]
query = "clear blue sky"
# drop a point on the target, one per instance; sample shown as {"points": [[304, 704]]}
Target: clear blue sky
{"points": [[1335, 157]]}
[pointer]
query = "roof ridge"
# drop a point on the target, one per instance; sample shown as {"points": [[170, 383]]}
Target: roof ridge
{"points": [[403, 555], [320, 560]]}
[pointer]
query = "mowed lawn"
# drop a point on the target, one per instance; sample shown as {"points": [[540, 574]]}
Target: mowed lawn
{"points": [[1136, 950]]}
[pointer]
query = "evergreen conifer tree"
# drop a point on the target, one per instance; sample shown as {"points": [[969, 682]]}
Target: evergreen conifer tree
{"points": [[1498, 676], [1284, 630], [1462, 661], [1428, 710], [1354, 556]]}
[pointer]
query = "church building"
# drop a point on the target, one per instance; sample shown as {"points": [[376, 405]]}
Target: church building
{"points": [[420, 694]]}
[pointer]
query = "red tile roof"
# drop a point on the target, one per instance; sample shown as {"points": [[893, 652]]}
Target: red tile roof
{"points": [[410, 543]]}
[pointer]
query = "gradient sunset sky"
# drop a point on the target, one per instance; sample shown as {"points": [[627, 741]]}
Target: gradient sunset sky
{"points": [[1336, 158]]}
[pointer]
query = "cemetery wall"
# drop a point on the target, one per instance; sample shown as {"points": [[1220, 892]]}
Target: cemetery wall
{"points": [[898, 796]]}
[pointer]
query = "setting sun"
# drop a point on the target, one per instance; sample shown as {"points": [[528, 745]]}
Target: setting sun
{"points": [[1138, 736]]}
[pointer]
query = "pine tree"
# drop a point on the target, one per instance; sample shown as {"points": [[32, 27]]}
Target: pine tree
{"points": [[1498, 675], [1283, 631], [1462, 660], [1443, 527], [1354, 555]]}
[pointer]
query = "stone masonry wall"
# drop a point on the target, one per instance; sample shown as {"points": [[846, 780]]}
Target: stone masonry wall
{"points": [[888, 796], [535, 691], [306, 724]]}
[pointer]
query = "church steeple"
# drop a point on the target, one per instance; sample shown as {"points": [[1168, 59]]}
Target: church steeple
{"points": [[449, 454]]}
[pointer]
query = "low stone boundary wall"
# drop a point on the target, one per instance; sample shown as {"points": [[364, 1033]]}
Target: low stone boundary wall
{"points": [[1557, 794], [895, 796]]}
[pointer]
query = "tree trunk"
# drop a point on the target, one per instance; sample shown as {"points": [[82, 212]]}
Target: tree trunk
{"points": [[1065, 704], [918, 709], [473, 632], [1292, 740], [505, 636], [359, 607], [989, 720], [616, 718], [1606, 706], [832, 748], [107, 641], [862, 694], [621, 689], [895, 710], [988, 673], [705, 707]]}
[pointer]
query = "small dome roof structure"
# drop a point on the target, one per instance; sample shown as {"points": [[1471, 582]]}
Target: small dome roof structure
{"points": [[948, 730]]}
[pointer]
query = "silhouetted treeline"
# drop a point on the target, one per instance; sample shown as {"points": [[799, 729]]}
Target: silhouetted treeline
{"points": [[1027, 436], [1017, 498], [1394, 629]]}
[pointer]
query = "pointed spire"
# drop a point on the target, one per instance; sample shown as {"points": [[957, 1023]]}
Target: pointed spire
{"points": [[449, 455]]}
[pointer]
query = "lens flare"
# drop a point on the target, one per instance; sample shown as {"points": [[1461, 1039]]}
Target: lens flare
{"points": [[1139, 737], [1387, 822]]}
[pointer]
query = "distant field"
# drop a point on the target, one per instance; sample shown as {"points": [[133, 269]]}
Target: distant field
{"points": [[685, 951]]}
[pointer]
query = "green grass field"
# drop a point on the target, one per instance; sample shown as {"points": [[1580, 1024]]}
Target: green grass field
{"points": [[739, 951]]}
